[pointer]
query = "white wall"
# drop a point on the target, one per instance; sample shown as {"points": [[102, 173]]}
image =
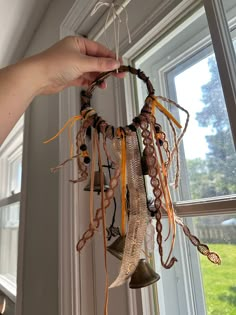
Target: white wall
{"points": [[18, 21], [40, 258]]}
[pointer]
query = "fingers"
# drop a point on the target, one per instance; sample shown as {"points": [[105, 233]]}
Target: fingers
{"points": [[119, 75], [94, 49], [97, 64], [92, 76]]}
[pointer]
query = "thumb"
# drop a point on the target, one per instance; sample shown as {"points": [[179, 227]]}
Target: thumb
{"points": [[97, 64]]}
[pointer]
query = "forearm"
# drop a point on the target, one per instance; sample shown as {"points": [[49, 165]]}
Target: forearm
{"points": [[73, 61], [19, 84]]}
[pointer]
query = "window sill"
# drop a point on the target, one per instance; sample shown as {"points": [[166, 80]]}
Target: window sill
{"points": [[8, 287]]}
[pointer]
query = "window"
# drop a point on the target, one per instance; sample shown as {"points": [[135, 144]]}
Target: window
{"points": [[182, 66], [230, 12], [10, 188]]}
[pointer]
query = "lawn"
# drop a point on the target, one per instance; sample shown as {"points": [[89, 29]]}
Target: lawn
{"points": [[220, 281]]}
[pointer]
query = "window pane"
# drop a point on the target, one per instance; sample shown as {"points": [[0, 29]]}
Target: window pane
{"points": [[183, 67], [15, 170], [9, 225], [208, 143], [219, 232]]}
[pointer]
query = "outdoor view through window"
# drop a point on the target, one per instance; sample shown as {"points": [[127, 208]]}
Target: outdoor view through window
{"points": [[183, 67], [211, 166]]}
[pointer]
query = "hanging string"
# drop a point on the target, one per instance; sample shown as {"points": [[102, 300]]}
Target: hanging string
{"points": [[103, 220], [112, 231], [91, 196], [113, 11]]}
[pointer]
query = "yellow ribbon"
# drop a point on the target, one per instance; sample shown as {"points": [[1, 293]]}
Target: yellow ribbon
{"points": [[161, 108], [71, 123], [123, 180]]}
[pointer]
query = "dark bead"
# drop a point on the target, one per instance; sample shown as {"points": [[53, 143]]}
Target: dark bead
{"points": [[83, 147], [136, 120], [145, 111], [160, 142], [87, 160], [152, 214], [157, 128], [132, 127]]}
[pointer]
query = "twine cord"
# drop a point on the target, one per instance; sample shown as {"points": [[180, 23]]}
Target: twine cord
{"points": [[116, 25]]}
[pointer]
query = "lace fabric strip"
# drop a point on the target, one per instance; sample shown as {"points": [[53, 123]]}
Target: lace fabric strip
{"points": [[138, 213]]}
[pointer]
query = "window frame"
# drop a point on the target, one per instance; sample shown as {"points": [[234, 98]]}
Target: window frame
{"points": [[229, 58], [10, 151]]}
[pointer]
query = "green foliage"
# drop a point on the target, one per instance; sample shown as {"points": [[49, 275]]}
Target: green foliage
{"points": [[220, 281], [215, 175]]}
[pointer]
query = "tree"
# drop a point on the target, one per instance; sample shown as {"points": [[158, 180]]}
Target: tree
{"points": [[201, 184], [216, 175]]}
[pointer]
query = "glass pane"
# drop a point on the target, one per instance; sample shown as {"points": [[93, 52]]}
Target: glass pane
{"points": [[208, 144], [9, 225], [183, 67], [219, 232], [15, 176]]}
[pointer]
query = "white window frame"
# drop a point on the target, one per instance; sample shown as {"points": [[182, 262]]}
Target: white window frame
{"points": [[10, 151], [71, 295]]}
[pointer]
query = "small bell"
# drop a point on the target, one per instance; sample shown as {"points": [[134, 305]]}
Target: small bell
{"points": [[143, 275], [97, 184], [117, 247]]}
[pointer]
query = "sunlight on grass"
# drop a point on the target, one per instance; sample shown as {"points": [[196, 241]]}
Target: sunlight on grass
{"points": [[220, 281]]}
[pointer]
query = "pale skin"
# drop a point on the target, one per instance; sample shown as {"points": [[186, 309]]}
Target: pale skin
{"points": [[73, 61]]}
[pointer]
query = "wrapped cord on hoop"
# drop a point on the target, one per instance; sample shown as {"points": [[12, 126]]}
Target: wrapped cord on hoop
{"points": [[87, 95]]}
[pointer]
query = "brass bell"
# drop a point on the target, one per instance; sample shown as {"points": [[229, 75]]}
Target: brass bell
{"points": [[97, 184], [117, 247], [143, 275]]}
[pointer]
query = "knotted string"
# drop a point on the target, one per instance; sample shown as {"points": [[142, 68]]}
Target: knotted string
{"points": [[113, 10]]}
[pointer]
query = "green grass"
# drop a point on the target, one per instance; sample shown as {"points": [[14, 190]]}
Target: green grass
{"points": [[220, 281]]}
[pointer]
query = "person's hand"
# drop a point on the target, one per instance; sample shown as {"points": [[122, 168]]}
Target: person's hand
{"points": [[74, 61]]}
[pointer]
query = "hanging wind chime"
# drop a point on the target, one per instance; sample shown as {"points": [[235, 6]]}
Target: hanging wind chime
{"points": [[136, 155]]}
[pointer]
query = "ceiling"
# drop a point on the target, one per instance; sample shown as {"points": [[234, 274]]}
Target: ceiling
{"points": [[18, 21]]}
